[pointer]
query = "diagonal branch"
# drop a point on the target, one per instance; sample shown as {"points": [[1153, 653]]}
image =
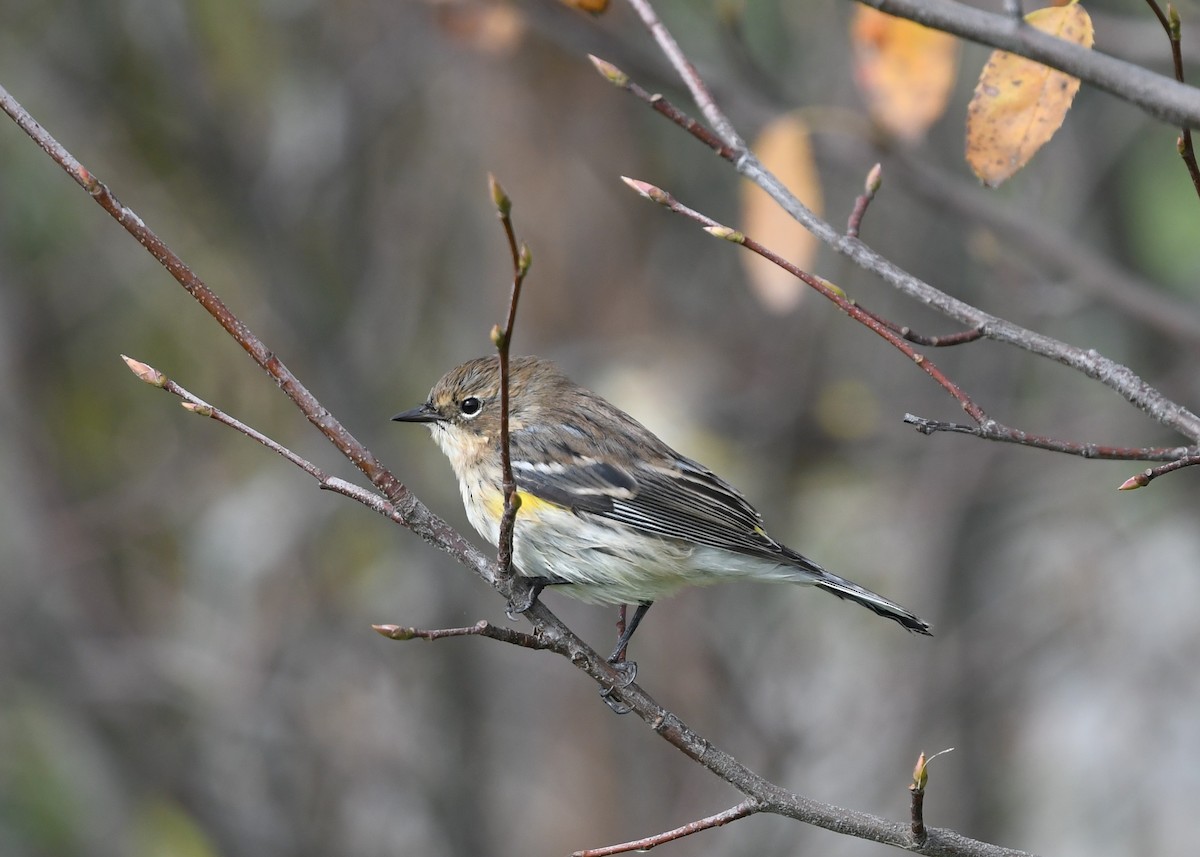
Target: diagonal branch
{"points": [[403, 507], [1158, 95], [742, 810], [899, 338], [1090, 362]]}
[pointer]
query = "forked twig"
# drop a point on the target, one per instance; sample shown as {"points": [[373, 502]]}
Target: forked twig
{"points": [[502, 339], [1173, 27], [727, 144], [198, 406], [985, 427], [405, 508]]}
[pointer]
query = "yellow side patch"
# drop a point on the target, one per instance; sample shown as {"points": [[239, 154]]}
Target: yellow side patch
{"points": [[531, 504]]}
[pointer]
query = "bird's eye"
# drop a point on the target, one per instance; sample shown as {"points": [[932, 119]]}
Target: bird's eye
{"points": [[470, 406]]}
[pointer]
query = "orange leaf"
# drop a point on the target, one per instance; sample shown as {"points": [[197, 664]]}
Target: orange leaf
{"points": [[595, 7], [1018, 103], [497, 29], [783, 147], [904, 70]]}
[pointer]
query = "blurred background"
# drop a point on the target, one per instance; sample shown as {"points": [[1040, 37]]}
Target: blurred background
{"points": [[186, 660]]}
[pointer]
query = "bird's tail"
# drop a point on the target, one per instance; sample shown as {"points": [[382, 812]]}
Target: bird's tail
{"points": [[874, 602]]}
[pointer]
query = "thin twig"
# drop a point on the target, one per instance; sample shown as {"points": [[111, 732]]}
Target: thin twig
{"points": [[410, 512], [391, 487], [1173, 27], [1121, 288], [920, 833], [1141, 480], [993, 430], [985, 427], [825, 288], [698, 130], [482, 628], [870, 188], [198, 406], [742, 810], [1090, 362], [946, 340], [1054, 248], [502, 339], [917, 814], [916, 809]]}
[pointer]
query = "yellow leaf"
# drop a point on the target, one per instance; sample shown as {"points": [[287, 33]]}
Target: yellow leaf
{"points": [[905, 71], [1018, 103], [783, 147]]}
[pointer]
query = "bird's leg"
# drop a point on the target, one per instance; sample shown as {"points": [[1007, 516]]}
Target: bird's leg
{"points": [[627, 669], [622, 613], [627, 629]]}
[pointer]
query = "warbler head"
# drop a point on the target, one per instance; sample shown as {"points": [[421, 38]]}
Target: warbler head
{"points": [[467, 398]]}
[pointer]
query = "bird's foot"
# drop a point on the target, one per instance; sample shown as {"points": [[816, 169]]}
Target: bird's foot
{"points": [[627, 670], [608, 694]]}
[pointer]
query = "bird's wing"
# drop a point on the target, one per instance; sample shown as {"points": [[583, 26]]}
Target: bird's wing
{"points": [[683, 500], [583, 485]]}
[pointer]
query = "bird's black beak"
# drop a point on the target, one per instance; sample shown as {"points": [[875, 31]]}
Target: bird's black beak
{"points": [[421, 414]]}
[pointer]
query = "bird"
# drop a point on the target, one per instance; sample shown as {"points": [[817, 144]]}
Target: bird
{"points": [[608, 513]]}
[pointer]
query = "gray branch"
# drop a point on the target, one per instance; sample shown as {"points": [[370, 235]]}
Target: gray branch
{"points": [[1160, 96]]}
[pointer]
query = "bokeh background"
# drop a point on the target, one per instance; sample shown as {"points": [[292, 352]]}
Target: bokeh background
{"points": [[186, 660]]}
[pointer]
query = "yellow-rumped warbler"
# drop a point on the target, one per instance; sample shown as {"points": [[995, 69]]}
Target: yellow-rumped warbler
{"points": [[609, 513]]}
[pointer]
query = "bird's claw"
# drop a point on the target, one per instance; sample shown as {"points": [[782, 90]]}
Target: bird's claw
{"points": [[608, 694], [627, 670]]}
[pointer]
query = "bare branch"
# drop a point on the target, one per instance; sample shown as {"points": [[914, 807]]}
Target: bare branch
{"points": [[826, 289], [1090, 362], [992, 430], [1156, 94], [198, 406], [1054, 248], [742, 810], [621, 80], [1141, 480], [502, 339], [1121, 288], [986, 427], [482, 628], [1173, 27], [870, 188], [944, 341], [403, 507], [917, 812]]}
